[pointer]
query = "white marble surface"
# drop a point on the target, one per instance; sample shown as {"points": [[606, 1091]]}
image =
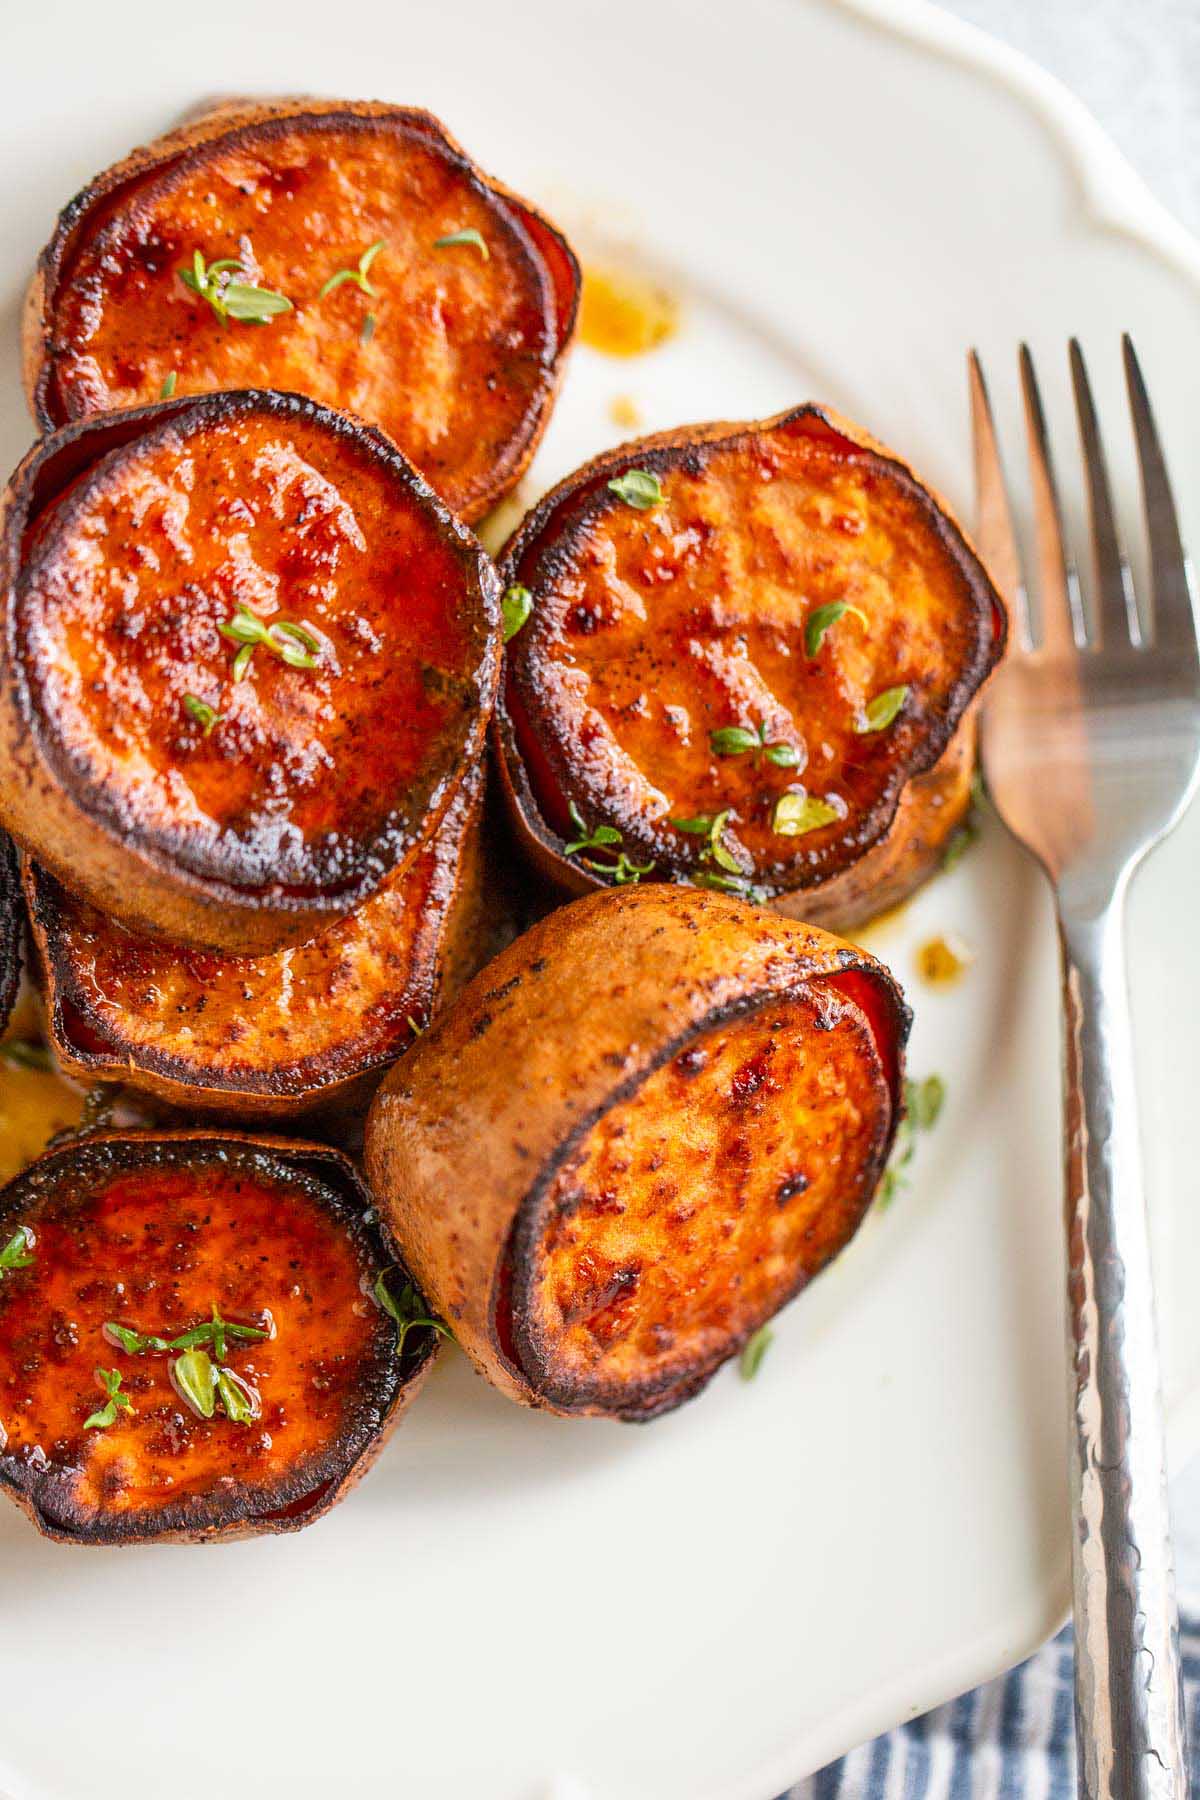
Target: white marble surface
{"points": [[1136, 64]]}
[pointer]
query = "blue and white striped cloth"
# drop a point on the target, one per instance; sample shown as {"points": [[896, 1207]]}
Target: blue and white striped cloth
{"points": [[1011, 1740]]}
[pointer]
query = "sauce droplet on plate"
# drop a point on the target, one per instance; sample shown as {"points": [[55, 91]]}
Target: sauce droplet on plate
{"points": [[943, 960], [625, 314]]}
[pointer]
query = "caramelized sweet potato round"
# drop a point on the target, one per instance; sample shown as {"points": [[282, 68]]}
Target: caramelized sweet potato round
{"points": [[751, 664], [455, 348], [158, 1234], [638, 1132], [248, 656], [262, 1036]]}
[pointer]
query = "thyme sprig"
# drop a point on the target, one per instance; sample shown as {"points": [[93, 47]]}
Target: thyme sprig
{"points": [[291, 643], [230, 299], [358, 275], [117, 1402], [406, 1309]]}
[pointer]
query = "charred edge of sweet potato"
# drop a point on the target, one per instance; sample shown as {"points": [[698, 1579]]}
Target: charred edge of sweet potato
{"points": [[875, 992], [12, 927], [107, 192], [445, 956], [514, 741], [268, 917], [300, 1502]]}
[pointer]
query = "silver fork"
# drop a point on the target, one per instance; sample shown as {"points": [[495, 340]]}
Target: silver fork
{"points": [[1091, 736]]}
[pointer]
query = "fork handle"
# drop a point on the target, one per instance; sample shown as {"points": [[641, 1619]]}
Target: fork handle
{"points": [[1129, 1716]]}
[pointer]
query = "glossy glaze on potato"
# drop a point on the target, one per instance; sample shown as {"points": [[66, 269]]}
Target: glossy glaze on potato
{"points": [[151, 1233], [685, 1216], [306, 785], [636, 1134], [461, 359], [652, 629], [259, 1035]]}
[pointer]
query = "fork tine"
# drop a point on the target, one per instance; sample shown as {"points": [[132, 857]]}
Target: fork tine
{"points": [[1172, 624], [994, 527], [1116, 616], [1059, 603]]}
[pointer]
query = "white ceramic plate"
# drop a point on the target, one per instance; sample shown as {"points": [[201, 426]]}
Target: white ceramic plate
{"points": [[514, 1606]]}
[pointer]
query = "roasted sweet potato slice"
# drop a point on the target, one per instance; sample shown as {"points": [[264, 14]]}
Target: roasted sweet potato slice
{"points": [[402, 284], [248, 657], [259, 1253], [638, 1132], [262, 1036], [751, 663]]}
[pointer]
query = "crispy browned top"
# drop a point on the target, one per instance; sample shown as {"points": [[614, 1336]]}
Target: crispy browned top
{"points": [[303, 1017], [152, 1240], [653, 629], [687, 1214], [460, 365], [314, 780]]}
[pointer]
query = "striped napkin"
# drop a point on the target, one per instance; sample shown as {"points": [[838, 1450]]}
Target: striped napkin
{"points": [[1011, 1740]]}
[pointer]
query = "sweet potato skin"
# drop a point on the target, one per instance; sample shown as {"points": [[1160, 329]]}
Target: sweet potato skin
{"points": [[77, 829], [470, 409], [273, 1036], [466, 1134], [838, 875], [200, 1206], [12, 928]]}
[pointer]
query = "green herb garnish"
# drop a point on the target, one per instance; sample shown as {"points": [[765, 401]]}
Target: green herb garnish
{"points": [[711, 826], [110, 1381], [416, 1029], [468, 236], [290, 642], [516, 607], [214, 1331], [168, 386], [231, 299], [622, 871], [206, 716], [18, 1252], [240, 1401], [882, 710], [796, 814], [923, 1102], [638, 488], [589, 839], [407, 1309], [20, 1055], [753, 1351], [967, 833], [820, 621], [196, 1381], [358, 276], [737, 740], [728, 884]]}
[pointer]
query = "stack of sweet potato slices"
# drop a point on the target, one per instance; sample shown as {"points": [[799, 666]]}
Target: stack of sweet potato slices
{"points": [[254, 664]]}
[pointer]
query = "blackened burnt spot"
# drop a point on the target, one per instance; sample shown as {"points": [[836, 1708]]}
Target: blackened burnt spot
{"points": [[691, 1062], [482, 1025], [506, 987], [789, 1187]]}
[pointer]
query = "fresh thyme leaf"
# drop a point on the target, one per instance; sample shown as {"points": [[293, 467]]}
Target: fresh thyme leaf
{"points": [[711, 826], [753, 1351], [238, 1398], [728, 884], [923, 1102], [733, 740], [406, 1309], [230, 299], [290, 642], [638, 488], [622, 871], [196, 1381], [700, 826], [417, 1030], [516, 607], [358, 276], [368, 329], [18, 1252], [468, 236], [206, 716], [214, 1331], [882, 710], [784, 756], [168, 386], [820, 621], [797, 814], [110, 1381], [20, 1055], [588, 838], [131, 1341]]}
